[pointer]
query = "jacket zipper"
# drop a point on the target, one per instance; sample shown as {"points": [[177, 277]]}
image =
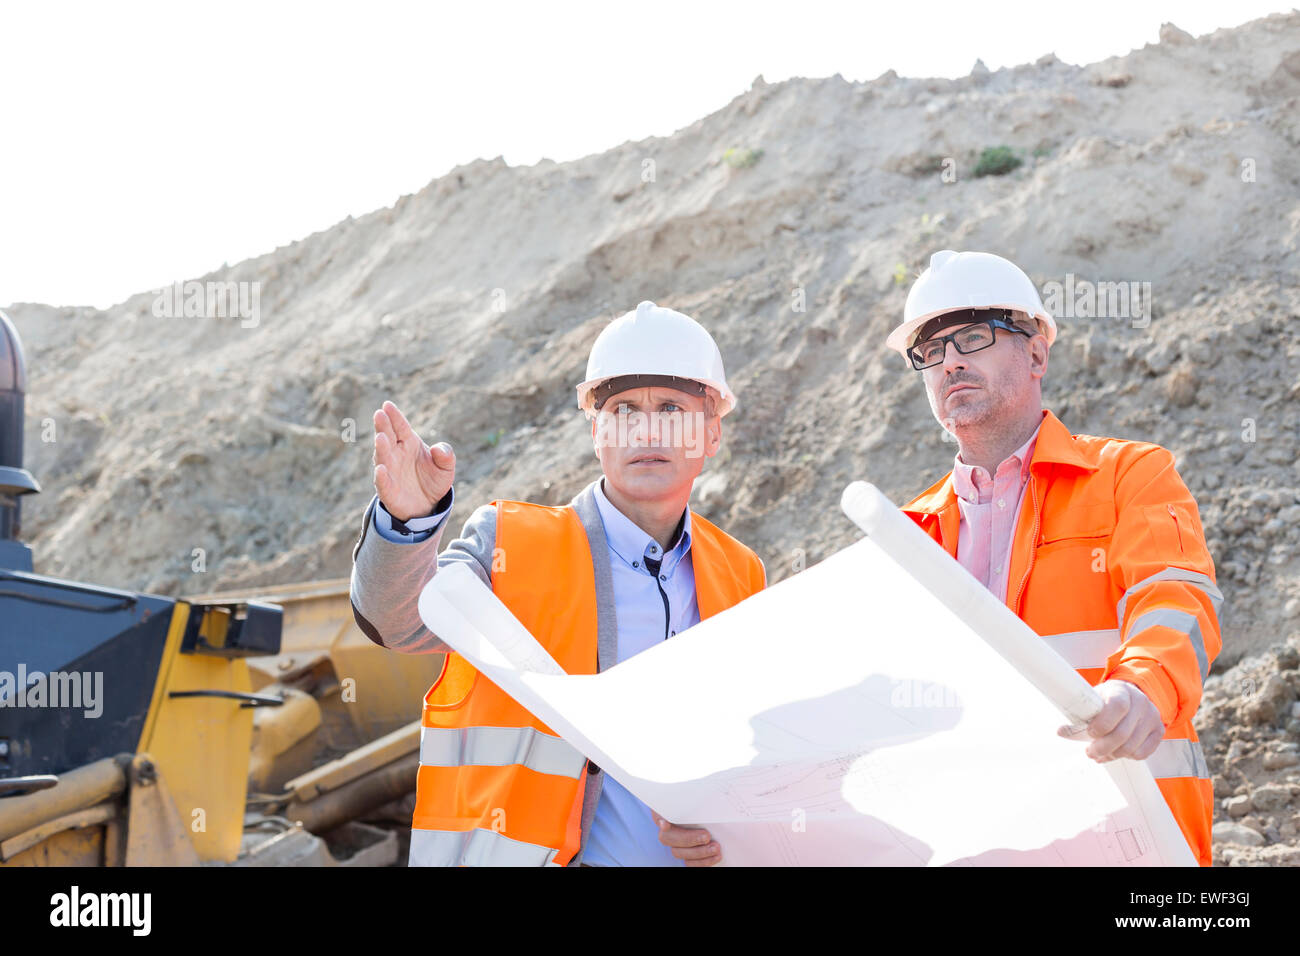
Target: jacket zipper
{"points": [[1177, 527], [1033, 545]]}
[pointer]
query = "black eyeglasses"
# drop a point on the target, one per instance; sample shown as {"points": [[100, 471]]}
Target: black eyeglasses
{"points": [[970, 338]]}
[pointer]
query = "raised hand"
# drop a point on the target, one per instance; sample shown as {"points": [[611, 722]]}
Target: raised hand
{"points": [[410, 476]]}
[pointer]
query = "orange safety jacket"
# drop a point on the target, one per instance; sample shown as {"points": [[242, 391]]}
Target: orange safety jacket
{"points": [[496, 786], [1109, 565]]}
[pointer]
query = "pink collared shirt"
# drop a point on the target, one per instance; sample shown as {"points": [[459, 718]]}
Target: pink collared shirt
{"points": [[989, 506]]}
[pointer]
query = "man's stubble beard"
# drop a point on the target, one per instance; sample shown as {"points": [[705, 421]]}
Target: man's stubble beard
{"points": [[972, 413], [993, 401]]}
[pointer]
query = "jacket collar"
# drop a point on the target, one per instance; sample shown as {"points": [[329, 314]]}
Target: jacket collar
{"points": [[584, 503], [1055, 446]]}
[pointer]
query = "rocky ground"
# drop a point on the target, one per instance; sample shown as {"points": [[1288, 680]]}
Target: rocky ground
{"points": [[182, 455], [1250, 727]]}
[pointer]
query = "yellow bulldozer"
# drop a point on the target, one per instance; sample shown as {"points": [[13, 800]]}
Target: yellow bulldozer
{"points": [[256, 728]]}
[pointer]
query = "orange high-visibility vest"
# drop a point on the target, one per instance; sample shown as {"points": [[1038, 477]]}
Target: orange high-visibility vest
{"points": [[496, 786], [1109, 565]]}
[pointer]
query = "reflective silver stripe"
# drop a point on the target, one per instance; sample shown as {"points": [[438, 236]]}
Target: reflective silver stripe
{"points": [[499, 747], [1084, 648], [1178, 758], [475, 848], [1179, 621], [1202, 581]]}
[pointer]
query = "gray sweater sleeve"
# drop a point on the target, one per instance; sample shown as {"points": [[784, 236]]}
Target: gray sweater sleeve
{"points": [[387, 578]]}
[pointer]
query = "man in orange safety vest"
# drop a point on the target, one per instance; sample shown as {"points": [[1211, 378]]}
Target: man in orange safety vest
{"points": [[624, 566]]}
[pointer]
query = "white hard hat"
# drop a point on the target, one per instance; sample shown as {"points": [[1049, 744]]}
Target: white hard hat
{"points": [[968, 280], [660, 347]]}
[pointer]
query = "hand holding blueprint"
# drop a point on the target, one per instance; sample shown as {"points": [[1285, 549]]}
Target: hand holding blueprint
{"points": [[849, 715]]}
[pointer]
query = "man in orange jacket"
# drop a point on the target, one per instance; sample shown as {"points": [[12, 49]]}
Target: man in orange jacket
{"points": [[1096, 543]]}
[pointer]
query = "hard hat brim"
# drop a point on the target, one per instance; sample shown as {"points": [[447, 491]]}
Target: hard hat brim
{"points": [[586, 393], [901, 337]]}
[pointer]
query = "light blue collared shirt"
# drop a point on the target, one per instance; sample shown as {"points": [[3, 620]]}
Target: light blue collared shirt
{"points": [[623, 833]]}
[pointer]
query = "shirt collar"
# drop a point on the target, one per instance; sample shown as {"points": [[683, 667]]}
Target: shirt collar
{"points": [[963, 475], [633, 545], [1056, 447]]}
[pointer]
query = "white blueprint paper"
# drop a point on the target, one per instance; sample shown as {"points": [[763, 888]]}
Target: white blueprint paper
{"points": [[845, 716]]}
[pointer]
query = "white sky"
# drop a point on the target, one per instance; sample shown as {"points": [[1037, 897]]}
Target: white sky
{"points": [[142, 143]]}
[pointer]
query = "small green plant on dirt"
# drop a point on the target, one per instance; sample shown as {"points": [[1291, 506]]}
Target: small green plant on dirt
{"points": [[738, 158], [997, 161]]}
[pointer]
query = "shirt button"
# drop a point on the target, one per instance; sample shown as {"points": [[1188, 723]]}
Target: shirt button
{"points": [[997, 570], [663, 577], [654, 549], [1001, 503], [636, 564]]}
